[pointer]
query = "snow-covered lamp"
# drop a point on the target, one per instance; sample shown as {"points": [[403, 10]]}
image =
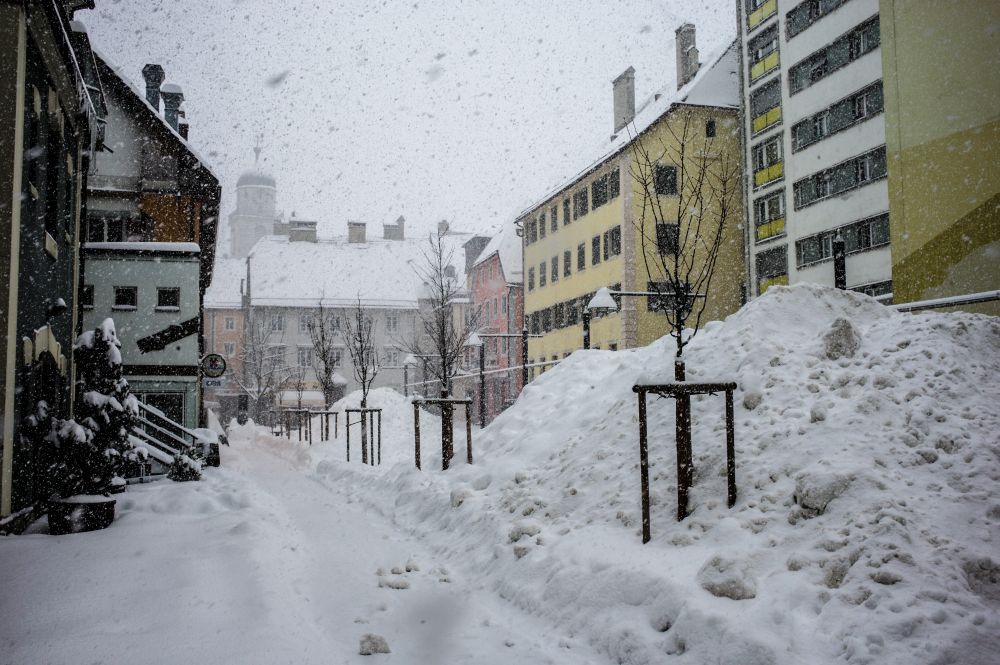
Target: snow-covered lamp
{"points": [[603, 300], [474, 340]]}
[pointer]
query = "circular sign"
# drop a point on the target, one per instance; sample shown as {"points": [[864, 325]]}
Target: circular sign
{"points": [[213, 365]]}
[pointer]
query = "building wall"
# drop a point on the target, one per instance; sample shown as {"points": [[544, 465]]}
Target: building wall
{"points": [[865, 268], [223, 397], [942, 73]]}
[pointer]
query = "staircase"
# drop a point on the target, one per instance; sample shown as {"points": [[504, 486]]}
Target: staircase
{"points": [[163, 439]]}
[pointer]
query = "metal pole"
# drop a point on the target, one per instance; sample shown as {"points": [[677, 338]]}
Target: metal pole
{"points": [[468, 434], [406, 380], [416, 434], [730, 449], [839, 263], [482, 385], [423, 379], [683, 442], [380, 438], [347, 425], [586, 328], [524, 357], [643, 467]]}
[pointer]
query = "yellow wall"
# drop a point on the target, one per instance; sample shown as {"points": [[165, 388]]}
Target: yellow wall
{"points": [[941, 65], [634, 325]]}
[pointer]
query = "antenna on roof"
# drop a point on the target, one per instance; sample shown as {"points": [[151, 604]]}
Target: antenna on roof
{"points": [[257, 148]]}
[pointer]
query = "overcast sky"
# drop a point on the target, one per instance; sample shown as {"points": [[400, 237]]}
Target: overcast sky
{"points": [[461, 110]]}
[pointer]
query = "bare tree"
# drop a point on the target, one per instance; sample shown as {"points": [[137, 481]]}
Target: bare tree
{"points": [[446, 317], [688, 186], [359, 336], [324, 332], [262, 357]]}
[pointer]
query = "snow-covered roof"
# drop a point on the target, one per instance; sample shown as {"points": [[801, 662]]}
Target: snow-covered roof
{"points": [[140, 95], [507, 244], [716, 84], [186, 247], [383, 273], [224, 292]]}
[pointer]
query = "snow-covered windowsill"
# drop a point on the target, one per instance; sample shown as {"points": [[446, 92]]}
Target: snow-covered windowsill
{"points": [[123, 308], [167, 308]]}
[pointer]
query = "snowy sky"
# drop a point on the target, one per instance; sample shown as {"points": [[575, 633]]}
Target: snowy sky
{"points": [[463, 111]]}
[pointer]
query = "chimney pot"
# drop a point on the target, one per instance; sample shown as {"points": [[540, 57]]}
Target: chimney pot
{"points": [[356, 232], [686, 54], [173, 97], [443, 227], [623, 89], [154, 76]]}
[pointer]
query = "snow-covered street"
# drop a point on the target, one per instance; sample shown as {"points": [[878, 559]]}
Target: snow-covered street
{"points": [[258, 563]]}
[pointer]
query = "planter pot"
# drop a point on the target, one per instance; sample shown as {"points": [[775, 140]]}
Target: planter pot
{"points": [[80, 513]]}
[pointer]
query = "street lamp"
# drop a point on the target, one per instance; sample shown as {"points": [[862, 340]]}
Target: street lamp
{"points": [[839, 262], [475, 341], [407, 361], [601, 302]]}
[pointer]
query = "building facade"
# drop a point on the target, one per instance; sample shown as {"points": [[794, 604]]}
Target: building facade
{"points": [[496, 289], [942, 82], [813, 101], [592, 231], [52, 118], [151, 227]]}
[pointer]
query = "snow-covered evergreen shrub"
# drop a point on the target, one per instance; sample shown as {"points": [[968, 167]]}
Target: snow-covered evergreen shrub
{"points": [[94, 447], [186, 466]]}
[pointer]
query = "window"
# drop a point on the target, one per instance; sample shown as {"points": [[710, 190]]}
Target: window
{"points": [[665, 180], [842, 114], [305, 322], [607, 246], [772, 268], [554, 215], [769, 216], [662, 301], [567, 263], [762, 52], [710, 129], [87, 298], [599, 191], [866, 234], [391, 356], [580, 203], [595, 250], [541, 226], [126, 297], [555, 269], [806, 13], [338, 357], [847, 175], [547, 319], [616, 241], [614, 184], [305, 357], [558, 318], [531, 232], [542, 275], [335, 323], [168, 299], [875, 290], [277, 322], [531, 279], [566, 216], [581, 257], [765, 106], [229, 349], [667, 238], [845, 49], [230, 323], [392, 322], [572, 312], [276, 357], [503, 303], [821, 125], [767, 161]]}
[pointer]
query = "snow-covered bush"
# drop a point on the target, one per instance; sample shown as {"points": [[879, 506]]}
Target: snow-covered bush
{"points": [[94, 448], [186, 466]]}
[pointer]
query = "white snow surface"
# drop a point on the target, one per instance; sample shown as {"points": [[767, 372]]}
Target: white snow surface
{"points": [[865, 530], [506, 245]]}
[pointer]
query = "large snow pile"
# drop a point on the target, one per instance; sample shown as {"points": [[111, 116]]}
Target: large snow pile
{"points": [[868, 461]]}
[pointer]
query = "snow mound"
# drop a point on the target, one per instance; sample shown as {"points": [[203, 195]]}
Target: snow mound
{"points": [[868, 513]]}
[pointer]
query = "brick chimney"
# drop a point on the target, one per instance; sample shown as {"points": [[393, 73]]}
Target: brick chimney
{"points": [[687, 54], [153, 74], [173, 97], [623, 88], [443, 227], [394, 231], [473, 248], [356, 232], [300, 230]]}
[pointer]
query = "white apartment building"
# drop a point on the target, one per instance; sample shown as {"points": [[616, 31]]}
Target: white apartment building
{"points": [[815, 143]]}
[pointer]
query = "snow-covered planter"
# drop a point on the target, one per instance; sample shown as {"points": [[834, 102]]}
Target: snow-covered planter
{"points": [[93, 453]]}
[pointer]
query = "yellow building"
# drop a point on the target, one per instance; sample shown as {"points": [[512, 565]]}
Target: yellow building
{"points": [[590, 231], [941, 64]]}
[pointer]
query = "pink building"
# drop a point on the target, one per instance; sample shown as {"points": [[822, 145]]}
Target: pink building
{"points": [[496, 285]]}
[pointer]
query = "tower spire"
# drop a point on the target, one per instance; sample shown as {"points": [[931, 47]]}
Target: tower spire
{"points": [[256, 150]]}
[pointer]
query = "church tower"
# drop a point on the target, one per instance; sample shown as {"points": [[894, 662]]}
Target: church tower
{"points": [[256, 208]]}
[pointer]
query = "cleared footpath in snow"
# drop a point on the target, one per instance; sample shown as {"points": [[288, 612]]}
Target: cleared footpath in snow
{"points": [[257, 563]]}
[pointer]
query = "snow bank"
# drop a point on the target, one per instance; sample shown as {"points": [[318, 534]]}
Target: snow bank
{"points": [[866, 525]]}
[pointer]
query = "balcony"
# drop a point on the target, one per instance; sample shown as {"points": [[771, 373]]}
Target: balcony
{"points": [[764, 283], [766, 119], [775, 227], [765, 66], [768, 174], [766, 10]]}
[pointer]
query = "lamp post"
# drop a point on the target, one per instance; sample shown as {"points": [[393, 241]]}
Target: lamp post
{"points": [[524, 356], [839, 262], [407, 361], [601, 302], [475, 341]]}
